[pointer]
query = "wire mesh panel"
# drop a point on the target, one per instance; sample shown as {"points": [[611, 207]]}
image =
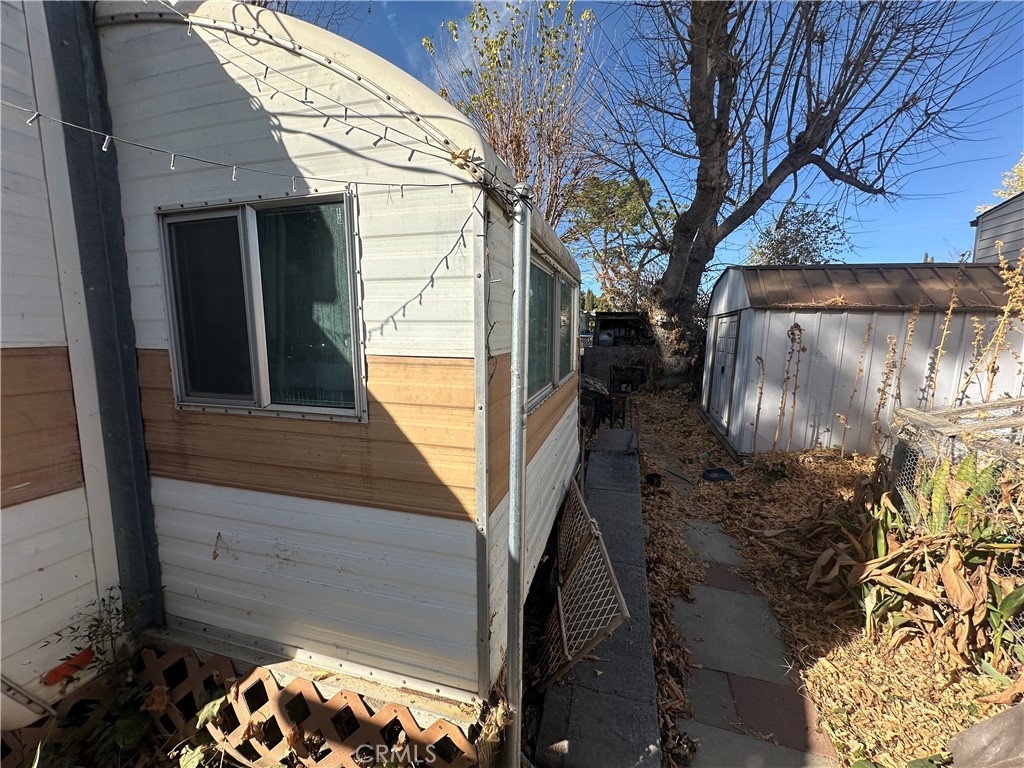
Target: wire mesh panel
{"points": [[962, 469], [589, 605]]}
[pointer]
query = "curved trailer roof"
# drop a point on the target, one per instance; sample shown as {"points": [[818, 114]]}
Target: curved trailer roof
{"points": [[426, 112]]}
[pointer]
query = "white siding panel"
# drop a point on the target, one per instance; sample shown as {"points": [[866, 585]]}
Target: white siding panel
{"points": [[499, 265], [1004, 223], [48, 577], [198, 95], [547, 479], [30, 306], [382, 589]]}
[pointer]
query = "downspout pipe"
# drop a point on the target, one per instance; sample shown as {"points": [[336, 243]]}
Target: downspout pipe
{"points": [[517, 469]]}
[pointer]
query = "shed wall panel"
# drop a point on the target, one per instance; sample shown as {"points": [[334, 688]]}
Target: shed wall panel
{"points": [[202, 95], [389, 590], [31, 314], [838, 382], [415, 453]]}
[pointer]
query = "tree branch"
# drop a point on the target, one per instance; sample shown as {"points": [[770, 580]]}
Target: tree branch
{"points": [[834, 174]]}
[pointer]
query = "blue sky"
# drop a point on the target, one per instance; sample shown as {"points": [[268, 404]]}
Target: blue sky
{"points": [[934, 214]]}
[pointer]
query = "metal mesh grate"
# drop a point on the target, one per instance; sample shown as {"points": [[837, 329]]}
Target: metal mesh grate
{"points": [[963, 468], [588, 602]]}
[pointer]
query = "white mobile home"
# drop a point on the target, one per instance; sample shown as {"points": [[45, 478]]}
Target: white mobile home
{"points": [[318, 259], [845, 320]]}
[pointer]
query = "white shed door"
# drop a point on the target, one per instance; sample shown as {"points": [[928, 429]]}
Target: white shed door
{"points": [[723, 364]]}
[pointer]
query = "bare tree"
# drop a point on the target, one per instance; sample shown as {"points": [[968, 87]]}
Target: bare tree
{"points": [[522, 73], [327, 14], [732, 105]]}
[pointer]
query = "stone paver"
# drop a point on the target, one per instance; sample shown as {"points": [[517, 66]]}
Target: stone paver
{"points": [[711, 543], [718, 575], [709, 696], [720, 748], [746, 710], [781, 712], [732, 632]]}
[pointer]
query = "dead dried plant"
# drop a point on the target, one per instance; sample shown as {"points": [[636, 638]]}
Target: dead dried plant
{"points": [[907, 342], [785, 387], [954, 295], [845, 419], [760, 394], [985, 361], [796, 338], [883, 391]]}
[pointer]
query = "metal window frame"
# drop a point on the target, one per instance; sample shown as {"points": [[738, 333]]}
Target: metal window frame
{"points": [[535, 399], [179, 373], [574, 312], [262, 402]]}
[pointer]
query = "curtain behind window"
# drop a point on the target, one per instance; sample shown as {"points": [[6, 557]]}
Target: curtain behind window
{"points": [[307, 306]]}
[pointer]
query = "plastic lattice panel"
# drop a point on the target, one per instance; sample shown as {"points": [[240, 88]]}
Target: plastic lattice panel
{"points": [[588, 602], [264, 723], [78, 712]]}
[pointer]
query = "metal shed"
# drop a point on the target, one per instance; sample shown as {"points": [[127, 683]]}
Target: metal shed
{"points": [[801, 355]]}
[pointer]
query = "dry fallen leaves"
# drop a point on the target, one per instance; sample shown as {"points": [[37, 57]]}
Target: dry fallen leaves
{"points": [[891, 699]]}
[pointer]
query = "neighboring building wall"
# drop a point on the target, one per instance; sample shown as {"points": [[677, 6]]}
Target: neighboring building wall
{"points": [[344, 570], [1005, 223], [58, 553]]}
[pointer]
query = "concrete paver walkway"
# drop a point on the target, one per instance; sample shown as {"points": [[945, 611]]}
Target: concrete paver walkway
{"points": [[747, 710], [605, 713]]}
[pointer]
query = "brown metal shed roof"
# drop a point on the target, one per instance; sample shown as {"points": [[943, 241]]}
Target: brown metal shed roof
{"points": [[842, 287]]}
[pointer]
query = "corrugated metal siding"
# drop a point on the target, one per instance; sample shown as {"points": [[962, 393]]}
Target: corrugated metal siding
{"points": [[30, 303], [828, 374], [1005, 222], [387, 590], [838, 287], [168, 89], [547, 478], [48, 576]]}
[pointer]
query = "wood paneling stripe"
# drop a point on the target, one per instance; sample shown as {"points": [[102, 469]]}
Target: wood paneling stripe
{"points": [[539, 423], [40, 453], [415, 454]]}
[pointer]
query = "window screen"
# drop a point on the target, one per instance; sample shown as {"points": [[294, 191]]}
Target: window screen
{"points": [[209, 293], [306, 304], [540, 341]]}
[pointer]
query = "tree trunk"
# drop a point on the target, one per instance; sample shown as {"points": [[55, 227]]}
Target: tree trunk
{"points": [[679, 334], [713, 75]]}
